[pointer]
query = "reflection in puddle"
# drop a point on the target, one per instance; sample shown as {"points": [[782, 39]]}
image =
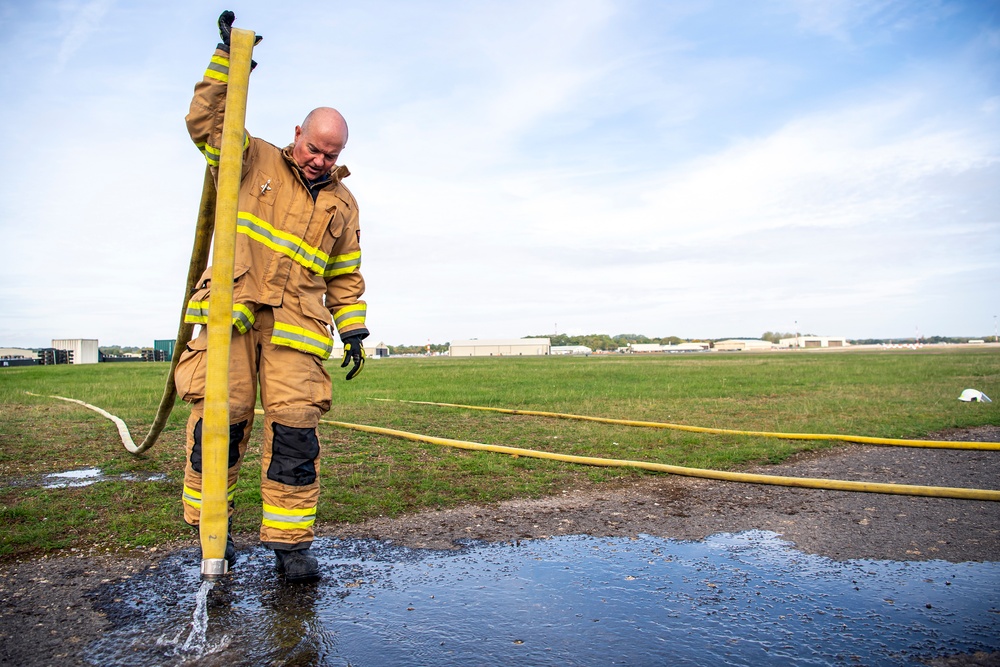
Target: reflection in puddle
{"points": [[744, 599]]}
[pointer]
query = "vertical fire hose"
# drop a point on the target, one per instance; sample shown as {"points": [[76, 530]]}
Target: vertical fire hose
{"points": [[214, 522]]}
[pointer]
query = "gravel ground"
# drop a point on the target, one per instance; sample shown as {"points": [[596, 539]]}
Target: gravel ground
{"points": [[47, 613]]}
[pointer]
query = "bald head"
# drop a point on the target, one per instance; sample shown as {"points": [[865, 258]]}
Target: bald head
{"points": [[319, 141]]}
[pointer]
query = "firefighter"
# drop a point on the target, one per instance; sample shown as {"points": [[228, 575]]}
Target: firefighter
{"points": [[296, 272]]}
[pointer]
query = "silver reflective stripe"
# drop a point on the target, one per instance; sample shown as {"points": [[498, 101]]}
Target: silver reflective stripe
{"points": [[300, 339], [287, 518], [343, 266]]}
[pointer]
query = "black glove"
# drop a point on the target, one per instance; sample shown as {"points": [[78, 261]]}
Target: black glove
{"points": [[226, 20], [353, 351]]}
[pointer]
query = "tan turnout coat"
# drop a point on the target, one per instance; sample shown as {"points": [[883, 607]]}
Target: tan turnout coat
{"points": [[302, 258]]}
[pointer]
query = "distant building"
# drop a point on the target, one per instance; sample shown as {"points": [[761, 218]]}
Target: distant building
{"points": [[571, 349], [167, 347], [381, 350], [813, 341], [686, 347], [517, 347], [15, 356], [153, 354], [17, 353], [743, 345], [644, 348], [84, 350], [656, 348], [50, 356]]}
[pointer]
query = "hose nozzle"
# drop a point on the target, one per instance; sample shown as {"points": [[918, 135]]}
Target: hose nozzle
{"points": [[213, 568]]}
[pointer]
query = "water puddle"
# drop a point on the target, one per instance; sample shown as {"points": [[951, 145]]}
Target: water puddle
{"points": [[77, 478], [732, 599]]}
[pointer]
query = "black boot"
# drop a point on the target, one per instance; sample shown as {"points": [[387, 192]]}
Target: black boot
{"points": [[230, 551], [298, 566]]}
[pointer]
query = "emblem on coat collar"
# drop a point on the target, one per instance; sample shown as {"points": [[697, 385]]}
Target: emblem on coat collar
{"points": [[267, 186]]}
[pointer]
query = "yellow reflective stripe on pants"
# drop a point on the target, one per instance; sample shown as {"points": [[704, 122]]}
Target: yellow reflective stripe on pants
{"points": [[302, 339], [349, 315], [288, 519], [193, 498]]}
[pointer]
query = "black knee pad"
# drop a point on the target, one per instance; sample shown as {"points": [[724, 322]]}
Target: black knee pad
{"points": [[236, 432], [293, 455]]}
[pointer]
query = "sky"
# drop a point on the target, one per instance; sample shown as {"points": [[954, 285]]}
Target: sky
{"points": [[694, 168]]}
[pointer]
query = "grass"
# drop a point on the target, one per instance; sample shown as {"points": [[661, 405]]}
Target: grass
{"points": [[884, 393]]}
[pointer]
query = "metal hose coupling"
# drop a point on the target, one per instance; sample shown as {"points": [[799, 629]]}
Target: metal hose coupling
{"points": [[213, 568]]}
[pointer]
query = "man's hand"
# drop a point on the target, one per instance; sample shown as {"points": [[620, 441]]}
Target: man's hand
{"points": [[353, 351], [226, 20]]}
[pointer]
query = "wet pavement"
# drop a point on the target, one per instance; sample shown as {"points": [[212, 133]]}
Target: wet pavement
{"points": [[732, 599]]}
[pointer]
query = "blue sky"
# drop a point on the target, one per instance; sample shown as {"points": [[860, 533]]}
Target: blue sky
{"points": [[698, 169]]}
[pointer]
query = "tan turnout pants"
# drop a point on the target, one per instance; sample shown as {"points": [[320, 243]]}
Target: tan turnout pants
{"points": [[294, 392]]}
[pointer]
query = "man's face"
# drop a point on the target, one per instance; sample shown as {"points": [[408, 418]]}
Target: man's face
{"points": [[316, 152]]}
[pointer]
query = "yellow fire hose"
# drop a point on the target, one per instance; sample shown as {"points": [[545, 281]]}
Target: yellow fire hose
{"points": [[751, 478], [214, 521], [199, 260], [941, 444]]}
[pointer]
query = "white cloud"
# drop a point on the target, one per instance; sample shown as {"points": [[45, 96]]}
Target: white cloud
{"points": [[79, 24]]}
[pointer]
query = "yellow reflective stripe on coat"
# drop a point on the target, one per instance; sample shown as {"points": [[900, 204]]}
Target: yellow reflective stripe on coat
{"points": [[288, 519], [302, 339], [242, 318], [350, 315], [212, 154], [340, 264], [193, 498], [218, 69], [197, 313], [296, 248]]}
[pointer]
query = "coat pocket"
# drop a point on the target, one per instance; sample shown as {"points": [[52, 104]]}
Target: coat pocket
{"points": [[189, 376], [264, 187]]}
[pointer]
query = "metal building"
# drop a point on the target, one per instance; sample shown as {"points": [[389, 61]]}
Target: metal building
{"points": [[571, 350], [517, 347], [813, 341], [743, 345], [84, 349]]}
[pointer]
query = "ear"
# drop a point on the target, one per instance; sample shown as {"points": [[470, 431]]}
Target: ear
{"points": [[298, 133]]}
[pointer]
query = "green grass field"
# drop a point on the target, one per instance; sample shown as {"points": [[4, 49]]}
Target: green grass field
{"points": [[886, 393]]}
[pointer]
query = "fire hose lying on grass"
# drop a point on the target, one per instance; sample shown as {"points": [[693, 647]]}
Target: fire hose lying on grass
{"points": [[750, 478]]}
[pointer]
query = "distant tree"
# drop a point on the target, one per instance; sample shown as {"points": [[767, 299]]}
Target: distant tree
{"points": [[776, 336]]}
